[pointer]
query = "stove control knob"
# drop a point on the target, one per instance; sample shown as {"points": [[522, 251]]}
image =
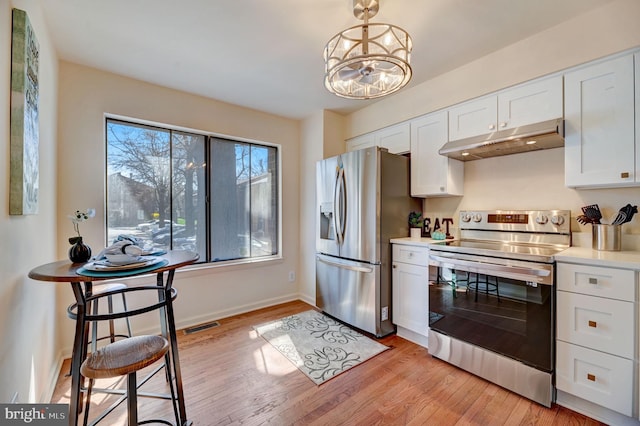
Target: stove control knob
{"points": [[477, 217], [465, 217], [542, 220], [557, 220]]}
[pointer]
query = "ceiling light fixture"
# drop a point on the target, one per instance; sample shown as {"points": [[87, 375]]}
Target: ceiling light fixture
{"points": [[370, 60]]}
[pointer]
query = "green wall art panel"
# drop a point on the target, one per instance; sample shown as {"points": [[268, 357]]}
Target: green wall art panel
{"points": [[24, 162]]}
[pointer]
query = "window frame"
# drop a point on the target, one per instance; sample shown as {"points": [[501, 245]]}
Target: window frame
{"points": [[204, 261]]}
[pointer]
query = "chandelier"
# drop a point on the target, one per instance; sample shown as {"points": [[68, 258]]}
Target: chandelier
{"points": [[369, 60]]}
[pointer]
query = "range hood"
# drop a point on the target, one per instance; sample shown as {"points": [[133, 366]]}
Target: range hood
{"points": [[532, 137]]}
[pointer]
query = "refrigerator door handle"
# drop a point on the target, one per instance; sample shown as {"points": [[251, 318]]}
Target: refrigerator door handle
{"points": [[345, 266], [340, 207]]}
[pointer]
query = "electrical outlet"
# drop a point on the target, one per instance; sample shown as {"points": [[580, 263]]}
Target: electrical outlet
{"points": [[292, 276], [385, 313]]}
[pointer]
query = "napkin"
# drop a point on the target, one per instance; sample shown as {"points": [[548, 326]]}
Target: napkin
{"points": [[120, 247]]}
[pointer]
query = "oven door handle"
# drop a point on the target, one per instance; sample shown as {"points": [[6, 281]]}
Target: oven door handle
{"points": [[490, 268]]}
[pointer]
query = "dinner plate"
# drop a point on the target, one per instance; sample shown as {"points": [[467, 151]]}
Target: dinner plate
{"points": [[103, 265]]}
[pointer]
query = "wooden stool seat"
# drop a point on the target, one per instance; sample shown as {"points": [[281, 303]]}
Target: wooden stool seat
{"points": [[124, 356]]}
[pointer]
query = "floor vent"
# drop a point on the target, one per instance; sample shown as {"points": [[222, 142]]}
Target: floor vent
{"points": [[201, 327]]}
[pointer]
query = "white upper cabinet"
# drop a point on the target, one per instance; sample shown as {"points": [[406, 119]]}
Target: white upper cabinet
{"points": [[533, 102], [431, 173], [529, 103], [359, 142], [395, 138], [477, 117], [600, 144]]}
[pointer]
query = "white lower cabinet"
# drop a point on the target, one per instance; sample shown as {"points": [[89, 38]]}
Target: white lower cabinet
{"points": [[604, 379], [596, 335], [410, 291]]}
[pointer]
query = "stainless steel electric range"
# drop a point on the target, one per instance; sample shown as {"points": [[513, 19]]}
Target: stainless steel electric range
{"points": [[492, 301]]}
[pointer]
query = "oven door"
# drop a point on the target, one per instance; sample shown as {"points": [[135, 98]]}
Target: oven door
{"points": [[502, 305]]}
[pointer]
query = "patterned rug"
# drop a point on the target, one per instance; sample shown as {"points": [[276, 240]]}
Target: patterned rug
{"points": [[318, 345]]}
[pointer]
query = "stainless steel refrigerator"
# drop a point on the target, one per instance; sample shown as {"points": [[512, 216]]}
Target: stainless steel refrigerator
{"points": [[363, 200]]}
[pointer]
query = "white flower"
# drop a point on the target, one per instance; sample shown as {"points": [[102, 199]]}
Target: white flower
{"points": [[79, 216]]}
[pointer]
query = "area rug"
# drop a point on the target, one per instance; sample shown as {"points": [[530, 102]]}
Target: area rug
{"points": [[318, 345]]}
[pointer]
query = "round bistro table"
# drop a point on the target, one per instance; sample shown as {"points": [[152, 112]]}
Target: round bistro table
{"points": [[65, 271]]}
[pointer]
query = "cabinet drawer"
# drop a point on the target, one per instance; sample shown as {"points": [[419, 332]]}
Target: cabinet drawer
{"points": [[597, 281], [411, 254], [603, 324], [603, 379]]}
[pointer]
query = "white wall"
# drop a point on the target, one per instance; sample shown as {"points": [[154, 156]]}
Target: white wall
{"points": [[531, 180], [85, 95], [322, 137], [28, 308]]}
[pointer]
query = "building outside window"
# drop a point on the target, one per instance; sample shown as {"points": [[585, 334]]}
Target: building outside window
{"points": [[181, 190]]}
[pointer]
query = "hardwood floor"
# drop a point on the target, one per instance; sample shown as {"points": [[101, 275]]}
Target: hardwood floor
{"points": [[232, 376]]}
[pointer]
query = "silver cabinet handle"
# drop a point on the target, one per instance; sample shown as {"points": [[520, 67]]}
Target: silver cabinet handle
{"points": [[593, 280]]}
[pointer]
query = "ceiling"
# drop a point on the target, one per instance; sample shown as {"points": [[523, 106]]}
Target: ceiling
{"points": [[267, 54]]}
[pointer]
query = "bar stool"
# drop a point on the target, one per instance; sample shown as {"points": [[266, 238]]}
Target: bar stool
{"points": [[458, 278], [127, 357], [107, 289], [488, 286], [104, 289]]}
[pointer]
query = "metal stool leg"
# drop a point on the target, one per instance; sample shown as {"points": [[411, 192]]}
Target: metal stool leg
{"points": [[112, 332], [132, 400]]}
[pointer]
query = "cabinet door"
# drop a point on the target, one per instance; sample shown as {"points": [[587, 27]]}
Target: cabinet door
{"points": [[473, 118], [359, 142], [433, 174], [604, 379], [410, 297], [612, 283], [596, 323], [529, 103], [394, 138], [599, 125]]}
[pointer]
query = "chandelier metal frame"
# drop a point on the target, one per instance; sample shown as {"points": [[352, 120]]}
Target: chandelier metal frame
{"points": [[370, 60]]}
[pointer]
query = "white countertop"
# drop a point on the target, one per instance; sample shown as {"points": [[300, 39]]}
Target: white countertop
{"points": [[627, 259], [422, 242]]}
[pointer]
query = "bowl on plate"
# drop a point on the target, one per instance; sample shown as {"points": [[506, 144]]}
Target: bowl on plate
{"points": [[121, 259]]}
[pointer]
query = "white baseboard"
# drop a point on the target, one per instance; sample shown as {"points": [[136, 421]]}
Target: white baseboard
{"points": [[595, 411]]}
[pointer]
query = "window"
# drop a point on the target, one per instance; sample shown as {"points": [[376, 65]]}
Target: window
{"points": [[181, 190]]}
